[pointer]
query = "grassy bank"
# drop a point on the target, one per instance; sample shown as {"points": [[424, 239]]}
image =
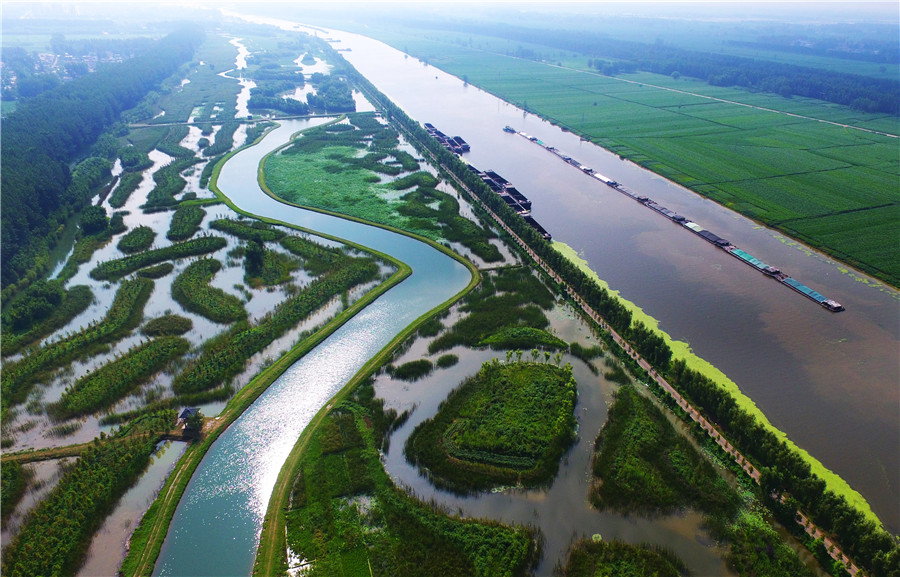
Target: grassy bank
{"points": [[681, 350]]}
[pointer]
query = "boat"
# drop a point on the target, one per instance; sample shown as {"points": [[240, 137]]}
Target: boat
{"points": [[706, 235]]}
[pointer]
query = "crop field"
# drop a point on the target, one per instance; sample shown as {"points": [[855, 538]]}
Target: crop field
{"points": [[810, 179]]}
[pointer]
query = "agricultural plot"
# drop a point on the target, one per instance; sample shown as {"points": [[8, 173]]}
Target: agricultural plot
{"points": [[773, 167]]}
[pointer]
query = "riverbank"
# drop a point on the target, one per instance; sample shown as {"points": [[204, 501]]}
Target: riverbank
{"points": [[682, 350]]}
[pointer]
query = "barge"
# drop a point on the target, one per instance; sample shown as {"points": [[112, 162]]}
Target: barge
{"points": [[454, 144], [708, 236], [512, 197]]}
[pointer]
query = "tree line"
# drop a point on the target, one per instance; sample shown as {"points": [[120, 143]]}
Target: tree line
{"points": [[854, 90], [46, 133]]}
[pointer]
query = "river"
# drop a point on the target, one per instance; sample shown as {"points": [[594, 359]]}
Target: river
{"points": [[230, 490], [830, 381]]}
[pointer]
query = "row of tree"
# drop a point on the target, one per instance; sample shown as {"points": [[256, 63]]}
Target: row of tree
{"points": [[785, 470], [47, 132]]}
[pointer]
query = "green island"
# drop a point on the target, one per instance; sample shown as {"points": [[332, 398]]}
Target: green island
{"points": [[325, 169], [642, 465], [191, 289], [508, 425], [346, 517], [598, 558], [137, 239]]}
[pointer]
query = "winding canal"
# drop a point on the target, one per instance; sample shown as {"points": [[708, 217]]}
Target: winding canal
{"points": [[216, 527]]}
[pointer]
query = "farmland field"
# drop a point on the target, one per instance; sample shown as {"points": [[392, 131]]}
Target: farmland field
{"points": [[765, 156]]}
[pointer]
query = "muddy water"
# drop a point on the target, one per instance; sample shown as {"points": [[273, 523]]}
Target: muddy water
{"points": [[562, 512]]}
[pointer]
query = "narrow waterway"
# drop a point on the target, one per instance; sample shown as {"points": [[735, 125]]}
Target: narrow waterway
{"points": [[216, 527], [830, 381]]}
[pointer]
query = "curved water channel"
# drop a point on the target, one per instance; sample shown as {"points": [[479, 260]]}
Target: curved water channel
{"points": [[216, 527], [830, 381]]}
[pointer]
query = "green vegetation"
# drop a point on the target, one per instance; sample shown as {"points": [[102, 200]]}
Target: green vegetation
{"points": [[264, 267], [40, 311], [191, 289], [105, 386], [324, 169], [169, 182], [13, 482], [87, 244], [508, 425], [54, 540], [124, 314], [318, 259], [333, 93], [185, 223], [224, 140], [157, 271], [137, 240], [446, 361], [643, 465], [244, 230], [348, 518], [587, 354], [128, 183], [45, 134], [617, 559], [502, 316], [116, 269], [413, 370], [167, 325], [646, 466], [522, 338], [226, 355], [746, 150]]}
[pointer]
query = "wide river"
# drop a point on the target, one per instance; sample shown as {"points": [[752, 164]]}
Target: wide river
{"points": [[830, 381]]}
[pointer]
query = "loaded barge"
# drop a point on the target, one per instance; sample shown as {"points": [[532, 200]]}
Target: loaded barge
{"points": [[454, 144], [512, 197], [706, 235]]}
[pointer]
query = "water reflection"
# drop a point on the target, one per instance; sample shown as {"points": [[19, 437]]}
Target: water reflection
{"points": [[229, 492]]}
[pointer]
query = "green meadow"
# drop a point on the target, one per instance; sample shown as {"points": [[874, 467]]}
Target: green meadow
{"points": [[776, 160]]}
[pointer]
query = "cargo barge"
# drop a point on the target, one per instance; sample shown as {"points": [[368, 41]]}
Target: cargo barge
{"points": [[706, 235], [454, 144], [512, 197]]}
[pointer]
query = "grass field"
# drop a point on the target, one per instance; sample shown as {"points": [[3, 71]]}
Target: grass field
{"points": [[358, 170], [748, 151]]}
